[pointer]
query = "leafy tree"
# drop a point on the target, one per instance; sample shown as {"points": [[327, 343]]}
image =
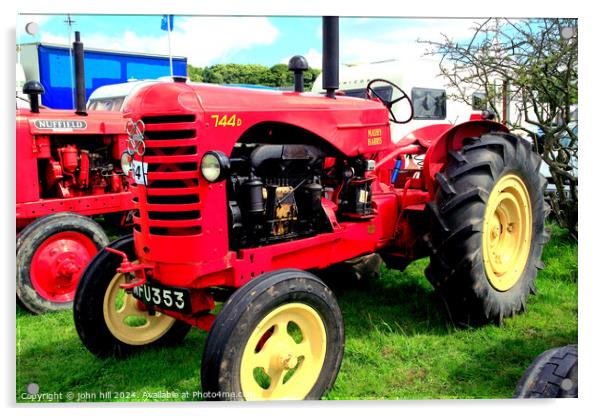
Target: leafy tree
{"points": [[534, 61], [276, 76], [195, 74], [310, 77], [280, 75]]}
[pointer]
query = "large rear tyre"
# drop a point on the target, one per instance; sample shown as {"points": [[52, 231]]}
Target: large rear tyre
{"points": [[278, 337], [487, 231], [52, 253], [553, 374], [110, 321]]}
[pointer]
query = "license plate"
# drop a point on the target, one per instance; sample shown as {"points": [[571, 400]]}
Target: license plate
{"points": [[164, 297]]}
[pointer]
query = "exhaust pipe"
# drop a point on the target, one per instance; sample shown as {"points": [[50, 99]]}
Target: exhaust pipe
{"points": [[80, 80], [330, 54]]}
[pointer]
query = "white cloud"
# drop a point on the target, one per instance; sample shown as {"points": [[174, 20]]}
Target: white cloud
{"points": [[431, 29], [401, 47], [314, 58], [40, 19], [402, 43], [203, 40]]}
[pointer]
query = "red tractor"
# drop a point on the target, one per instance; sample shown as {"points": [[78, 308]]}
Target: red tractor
{"points": [[247, 192], [68, 168]]}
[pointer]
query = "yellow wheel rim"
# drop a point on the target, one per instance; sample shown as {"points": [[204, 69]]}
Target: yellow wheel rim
{"points": [[126, 321], [507, 232], [284, 355]]}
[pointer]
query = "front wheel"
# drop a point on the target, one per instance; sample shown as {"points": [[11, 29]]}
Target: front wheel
{"points": [[487, 230], [52, 253], [278, 337], [110, 321]]}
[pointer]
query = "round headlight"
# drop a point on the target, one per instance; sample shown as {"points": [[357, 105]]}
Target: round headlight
{"points": [[215, 166], [126, 163]]}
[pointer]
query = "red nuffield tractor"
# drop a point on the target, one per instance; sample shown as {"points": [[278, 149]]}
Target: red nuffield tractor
{"points": [[250, 191], [67, 167]]}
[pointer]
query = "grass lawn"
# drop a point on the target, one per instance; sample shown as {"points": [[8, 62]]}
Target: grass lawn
{"points": [[399, 345]]}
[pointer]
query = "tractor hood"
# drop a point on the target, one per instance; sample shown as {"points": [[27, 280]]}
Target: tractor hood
{"points": [[352, 125], [49, 121]]}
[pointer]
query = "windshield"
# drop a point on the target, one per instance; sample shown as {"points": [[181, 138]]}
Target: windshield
{"points": [[108, 104]]}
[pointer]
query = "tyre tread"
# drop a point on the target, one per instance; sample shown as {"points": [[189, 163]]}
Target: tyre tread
{"points": [[455, 268]]}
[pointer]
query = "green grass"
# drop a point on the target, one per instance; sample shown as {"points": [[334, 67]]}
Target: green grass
{"points": [[399, 345]]}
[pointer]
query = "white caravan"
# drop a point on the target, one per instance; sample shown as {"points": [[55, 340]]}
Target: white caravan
{"points": [[419, 79]]}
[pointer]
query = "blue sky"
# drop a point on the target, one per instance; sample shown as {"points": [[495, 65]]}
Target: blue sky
{"points": [[261, 40]]}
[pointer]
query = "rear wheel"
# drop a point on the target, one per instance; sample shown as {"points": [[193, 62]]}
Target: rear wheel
{"points": [[488, 231], [278, 337], [110, 321], [52, 253]]}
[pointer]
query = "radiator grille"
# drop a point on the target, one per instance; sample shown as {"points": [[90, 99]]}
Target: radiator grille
{"points": [[169, 204]]}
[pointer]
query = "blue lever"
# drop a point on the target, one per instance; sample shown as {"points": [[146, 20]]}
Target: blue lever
{"points": [[398, 165]]}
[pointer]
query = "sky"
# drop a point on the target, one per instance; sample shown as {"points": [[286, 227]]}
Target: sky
{"points": [[208, 40]]}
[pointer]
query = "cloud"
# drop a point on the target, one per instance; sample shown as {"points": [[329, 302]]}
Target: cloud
{"points": [[432, 29], [402, 43], [399, 46], [40, 19], [314, 58], [52, 38], [203, 40]]}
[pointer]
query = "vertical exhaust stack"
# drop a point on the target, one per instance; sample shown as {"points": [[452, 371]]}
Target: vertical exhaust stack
{"points": [[80, 80], [330, 55]]}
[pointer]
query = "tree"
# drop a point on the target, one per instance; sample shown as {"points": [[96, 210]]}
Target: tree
{"points": [[280, 75], [253, 74], [531, 63], [195, 74]]}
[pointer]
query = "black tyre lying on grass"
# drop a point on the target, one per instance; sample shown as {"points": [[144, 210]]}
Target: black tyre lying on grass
{"points": [[553, 374]]}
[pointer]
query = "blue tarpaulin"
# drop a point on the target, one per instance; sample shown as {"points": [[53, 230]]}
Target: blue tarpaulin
{"points": [[101, 68]]}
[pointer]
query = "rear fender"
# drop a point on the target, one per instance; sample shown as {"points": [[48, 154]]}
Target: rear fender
{"points": [[438, 153], [425, 136]]}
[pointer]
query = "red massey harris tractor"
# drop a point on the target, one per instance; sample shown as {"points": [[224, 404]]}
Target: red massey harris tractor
{"points": [[68, 168], [251, 191]]}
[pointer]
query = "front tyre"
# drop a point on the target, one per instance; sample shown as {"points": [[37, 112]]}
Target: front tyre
{"points": [[110, 321], [487, 231], [278, 337], [52, 253]]}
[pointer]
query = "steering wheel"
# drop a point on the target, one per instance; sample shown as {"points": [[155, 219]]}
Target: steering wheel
{"points": [[371, 92]]}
